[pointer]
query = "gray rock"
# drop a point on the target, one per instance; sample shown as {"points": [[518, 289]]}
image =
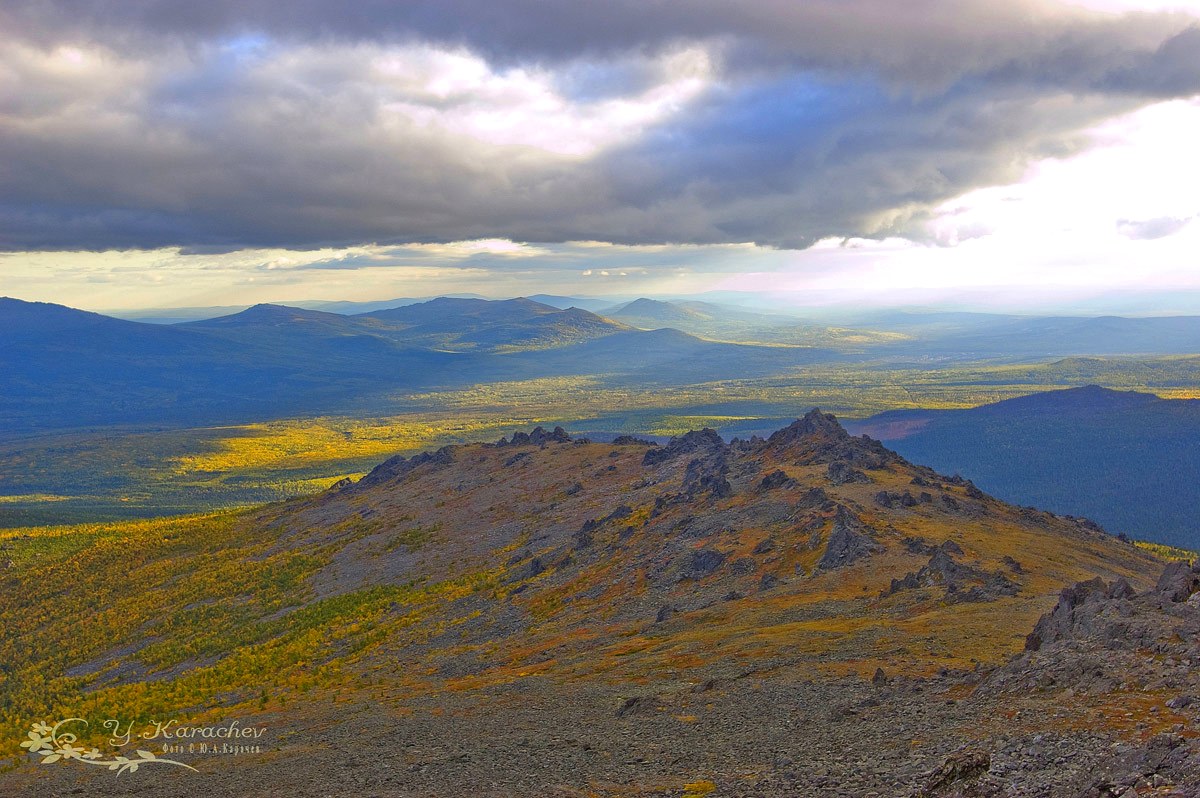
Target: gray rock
{"points": [[1179, 581], [848, 542], [704, 562]]}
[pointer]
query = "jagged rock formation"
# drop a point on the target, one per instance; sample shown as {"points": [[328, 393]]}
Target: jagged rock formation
{"points": [[705, 441], [890, 499], [849, 541], [1092, 637], [1106, 638], [399, 466], [775, 480], [538, 437], [819, 438], [1179, 582], [841, 473], [960, 581], [708, 475], [703, 562], [1117, 616], [630, 440]]}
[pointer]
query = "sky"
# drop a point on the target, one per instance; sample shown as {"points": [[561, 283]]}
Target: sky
{"points": [[1025, 154]]}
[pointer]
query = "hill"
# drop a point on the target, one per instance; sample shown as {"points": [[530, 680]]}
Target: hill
{"points": [[489, 325], [653, 313], [742, 325], [985, 335], [1126, 459], [539, 614], [63, 368], [564, 302]]}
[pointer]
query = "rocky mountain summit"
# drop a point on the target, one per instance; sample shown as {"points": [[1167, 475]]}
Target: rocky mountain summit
{"points": [[806, 614]]}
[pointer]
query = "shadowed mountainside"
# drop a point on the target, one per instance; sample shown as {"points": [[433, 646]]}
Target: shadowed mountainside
{"points": [[65, 368], [1128, 460]]}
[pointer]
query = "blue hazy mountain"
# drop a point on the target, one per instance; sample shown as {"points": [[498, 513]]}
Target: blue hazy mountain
{"points": [[186, 314], [466, 324], [594, 304], [1128, 460], [969, 335], [61, 367], [744, 325]]}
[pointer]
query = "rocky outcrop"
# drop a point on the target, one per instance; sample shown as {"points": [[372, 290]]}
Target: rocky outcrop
{"points": [[702, 563], [707, 475], [1108, 612], [705, 478], [705, 441], [892, 500], [814, 499], [958, 775], [538, 437], [819, 438], [842, 473], [960, 581], [1179, 582], [516, 458], [399, 466], [848, 542], [1080, 612], [1102, 635], [629, 440], [583, 537], [775, 480], [813, 424]]}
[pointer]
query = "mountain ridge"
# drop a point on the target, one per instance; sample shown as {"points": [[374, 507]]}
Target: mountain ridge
{"points": [[481, 598]]}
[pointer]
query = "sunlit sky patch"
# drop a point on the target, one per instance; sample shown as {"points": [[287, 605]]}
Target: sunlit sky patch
{"points": [[1028, 155]]}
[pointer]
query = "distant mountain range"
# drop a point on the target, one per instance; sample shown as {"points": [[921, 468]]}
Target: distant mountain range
{"points": [[61, 367], [992, 335], [892, 333], [1128, 460]]}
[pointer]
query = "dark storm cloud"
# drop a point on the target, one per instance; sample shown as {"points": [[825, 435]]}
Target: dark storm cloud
{"points": [[919, 40], [228, 124]]}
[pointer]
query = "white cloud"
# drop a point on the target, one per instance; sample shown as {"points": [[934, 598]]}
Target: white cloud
{"points": [[1115, 217], [462, 94], [1149, 229], [1191, 7], [1142, 166]]}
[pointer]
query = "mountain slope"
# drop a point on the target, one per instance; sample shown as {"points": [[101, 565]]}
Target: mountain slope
{"points": [[737, 324], [652, 313], [481, 602], [974, 335], [564, 302], [61, 368], [65, 368], [469, 324], [1125, 459]]}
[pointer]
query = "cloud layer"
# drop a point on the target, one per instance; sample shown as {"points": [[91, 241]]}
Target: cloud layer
{"points": [[222, 125]]}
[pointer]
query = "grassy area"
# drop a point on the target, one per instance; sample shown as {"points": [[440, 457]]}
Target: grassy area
{"points": [[1167, 552], [201, 611]]}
